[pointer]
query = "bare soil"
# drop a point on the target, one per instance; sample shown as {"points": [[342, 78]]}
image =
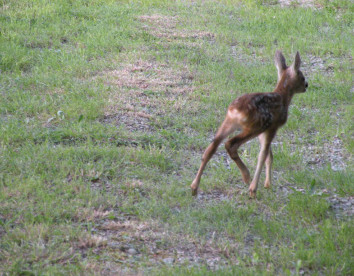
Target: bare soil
{"points": [[131, 240], [141, 90]]}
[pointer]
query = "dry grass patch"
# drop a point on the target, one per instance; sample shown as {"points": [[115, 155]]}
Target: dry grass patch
{"points": [[168, 27], [90, 215], [90, 241], [148, 77], [129, 240], [299, 3], [144, 90], [217, 195]]}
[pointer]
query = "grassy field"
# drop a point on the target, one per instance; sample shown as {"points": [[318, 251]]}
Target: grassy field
{"points": [[107, 106]]}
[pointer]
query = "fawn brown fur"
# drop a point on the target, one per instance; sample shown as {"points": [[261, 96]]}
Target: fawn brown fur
{"points": [[257, 114]]}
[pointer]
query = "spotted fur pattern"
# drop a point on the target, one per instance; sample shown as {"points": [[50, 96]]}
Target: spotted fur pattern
{"points": [[263, 110]]}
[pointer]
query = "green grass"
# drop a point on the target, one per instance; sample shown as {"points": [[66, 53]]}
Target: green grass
{"points": [[106, 108]]}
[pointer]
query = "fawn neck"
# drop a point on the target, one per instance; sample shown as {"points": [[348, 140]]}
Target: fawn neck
{"points": [[284, 89]]}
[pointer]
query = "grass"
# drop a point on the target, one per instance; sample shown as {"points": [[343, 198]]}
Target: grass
{"points": [[107, 107]]}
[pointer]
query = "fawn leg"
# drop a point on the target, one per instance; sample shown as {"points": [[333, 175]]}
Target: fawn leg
{"points": [[232, 146], [227, 127], [268, 163], [208, 153], [265, 139]]}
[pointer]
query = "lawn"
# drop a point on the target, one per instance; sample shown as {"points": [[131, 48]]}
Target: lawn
{"points": [[107, 106]]}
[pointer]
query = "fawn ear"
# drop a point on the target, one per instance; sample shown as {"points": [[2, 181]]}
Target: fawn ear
{"points": [[297, 62], [280, 63]]}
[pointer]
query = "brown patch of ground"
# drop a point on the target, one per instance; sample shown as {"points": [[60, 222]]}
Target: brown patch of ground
{"points": [[89, 215], [144, 90], [301, 3], [130, 242], [167, 27], [213, 196], [131, 120]]}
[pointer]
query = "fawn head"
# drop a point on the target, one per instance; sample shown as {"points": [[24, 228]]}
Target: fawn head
{"points": [[290, 76]]}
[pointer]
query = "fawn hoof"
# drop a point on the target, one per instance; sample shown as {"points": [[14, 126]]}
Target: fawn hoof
{"points": [[252, 194], [267, 183], [194, 187]]}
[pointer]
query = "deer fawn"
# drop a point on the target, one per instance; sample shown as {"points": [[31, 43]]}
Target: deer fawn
{"points": [[257, 114]]}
